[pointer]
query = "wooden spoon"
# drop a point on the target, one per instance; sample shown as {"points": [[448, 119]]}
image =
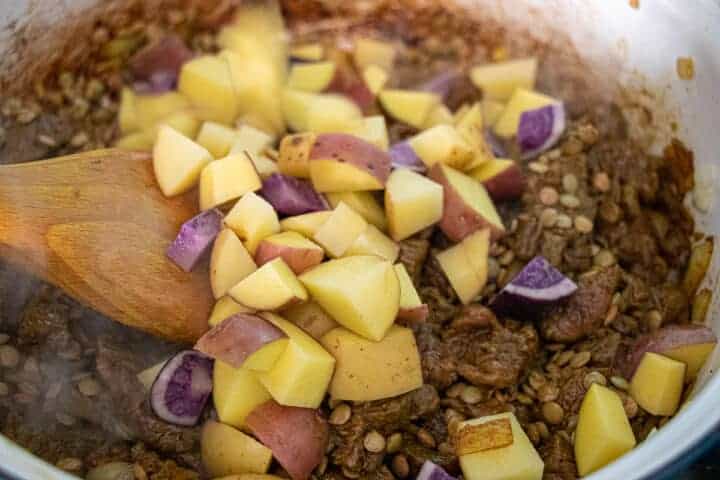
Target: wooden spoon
{"points": [[97, 226]]}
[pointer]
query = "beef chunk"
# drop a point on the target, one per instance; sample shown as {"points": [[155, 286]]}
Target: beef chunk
{"points": [[559, 458], [413, 253], [527, 237], [438, 370], [585, 310]]}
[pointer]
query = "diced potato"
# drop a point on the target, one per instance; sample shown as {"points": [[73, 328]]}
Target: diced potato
{"points": [[373, 242], [517, 461], [264, 165], [374, 130], [440, 115], [492, 110], [230, 262], [375, 78], [184, 121], [342, 288], [658, 384], [411, 107], [295, 154], [333, 113], [301, 376], [306, 224], [252, 140], [411, 306], [270, 287], [311, 318], [498, 81], [216, 138], [177, 161], [227, 179], [700, 306], [135, 141], [359, 360], [603, 432], [151, 109], [470, 128], [295, 107], [226, 307], [340, 231], [412, 203], [311, 77], [693, 356], [369, 51], [363, 203], [442, 144], [253, 219], [227, 451], [521, 101], [465, 265], [127, 115], [207, 83], [698, 264], [236, 392], [298, 252], [311, 52]]}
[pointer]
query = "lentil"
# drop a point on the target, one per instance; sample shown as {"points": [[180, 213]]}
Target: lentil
{"points": [[588, 134], [580, 359], [9, 356], [400, 466], [654, 319], [426, 438], [536, 380], [564, 357], [553, 413], [569, 201], [89, 387], [507, 258], [549, 196], [563, 221], [572, 146], [604, 258], [601, 182], [548, 217], [570, 183], [594, 377], [471, 395], [394, 442], [524, 399], [70, 464], [374, 442], [538, 167], [456, 390], [65, 419], [583, 224], [340, 414]]}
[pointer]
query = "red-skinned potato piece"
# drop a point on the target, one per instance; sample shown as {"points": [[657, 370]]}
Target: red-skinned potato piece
{"points": [[297, 436], [502, 178], [298, 252], [236, 338], [347, 81]]}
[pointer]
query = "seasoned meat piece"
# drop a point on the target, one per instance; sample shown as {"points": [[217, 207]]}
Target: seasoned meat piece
{"points": [[416, 454], [413, 253], [433, 276], [462, 90], [527, 237], [585, 310], [572, 390], [441, 308], [438, 370], [603, 346], [41, 317], [559, 458], [673, 304], [553, 247], [157, 468]]}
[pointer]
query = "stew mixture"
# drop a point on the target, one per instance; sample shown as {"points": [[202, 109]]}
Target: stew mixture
{"points": [[455, 263]]}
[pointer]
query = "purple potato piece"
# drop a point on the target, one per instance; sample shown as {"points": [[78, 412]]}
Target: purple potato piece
{"points": [[195, 238], [402, 155], [182, 388], [157, 65], [540, 129], [292, 196], [496, 145], [431, 471], [537, 285]]}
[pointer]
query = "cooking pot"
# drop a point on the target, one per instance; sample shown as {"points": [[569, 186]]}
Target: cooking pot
{"points": [[634, 45]]}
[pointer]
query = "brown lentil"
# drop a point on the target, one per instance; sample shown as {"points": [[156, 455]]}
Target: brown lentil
{"points": [[426, 438], [563, 221], [611, 314], [536, 380], [9, 356], [619, 382], [685, 68], [139, 472], [455, 390], [588, 134], [548, 196], [471, 395], [533, 434], [654, 319], [563, 358], [594, 377], [580, 359], [572, 146], [538, 167], [553, 413], [400, 466], [548, 217], [543, 429], [570, 183], [340, 414], [630, 406], [601, 182], [70, 464], [524, 399], [374, 442], [89, 387], [604, 258], [569, 201], [583, 224], [394, 442]]}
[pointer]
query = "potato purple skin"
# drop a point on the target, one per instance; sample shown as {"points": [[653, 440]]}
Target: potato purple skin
{"points": [[195, 238], [431, 471], [291, 196]]}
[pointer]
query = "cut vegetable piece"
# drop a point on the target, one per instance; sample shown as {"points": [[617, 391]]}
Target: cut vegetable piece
{"points": [[658, 384], [135, 141], [224, 308], [540, 129], [273, 286], [358, 360], [603, 431], [411, 107], [252, 140], [340, 230], [207, 83], [291, 196], [333, 113], [177, 161], [431, 471], [374, 130], [373, 242], [502, 178], [699, 262], [369, 51], [298, 437], [230, 262], [521, 101], [227, 179], [443, 83], [253, 219], [412, 309], [147, 377], [311, 77], [299, 253], [264, 165], [311, 52], [151, 109], [236, 392], [227, 451], [306, 224], [491, 110], [485, 436], [185, 122], [348, 84], [412, 203], [442, 144], [517, 460], [402, 155], [375, 78], [182, 388], [467, 207], [499, 81], [301, 376], [470, 128], [465, 265], [440, 115], [216, 138], [345, 163], [295, 154], [363, 203], [342, 288], [127, 116], [295, 106], [311, 318], [537, 285], [244, 340], [195, 238], [158, 63]]}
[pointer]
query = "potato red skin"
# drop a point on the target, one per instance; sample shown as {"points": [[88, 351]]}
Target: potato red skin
{"points": [[353, 87], [506, 185], [410, 316], [297, 436], [353, 150], [298, 259]]}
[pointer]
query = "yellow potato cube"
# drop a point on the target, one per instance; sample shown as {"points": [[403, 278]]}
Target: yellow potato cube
{"points": [[227, 451], [442, 144], [311, 77], [295, 106], [253, 219], [359, 360], [151, 109], [295, 154], [135, 141], [363, 203], [340, 231], [657, 384], [250, 139], [369, 51], [184, 122], [603, 432], [409, 297], [373, 242], [498, 81], [311, 318], [227, 179], [517, 461], [264, 165], [375, 78], [465, 265], [302, 373], [521, 101], [306, 224], [470, 127], [374, 130], [440, 115], [230, 262], [310, 52], [226, 307], [412, 203], [694, 356], [177, 161], [236, 393], [492, 110], [270, 287], [342, 288], [207, 83], [329, 175], [217, 138], [411, 107], [127, 115], [332, 113]]}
